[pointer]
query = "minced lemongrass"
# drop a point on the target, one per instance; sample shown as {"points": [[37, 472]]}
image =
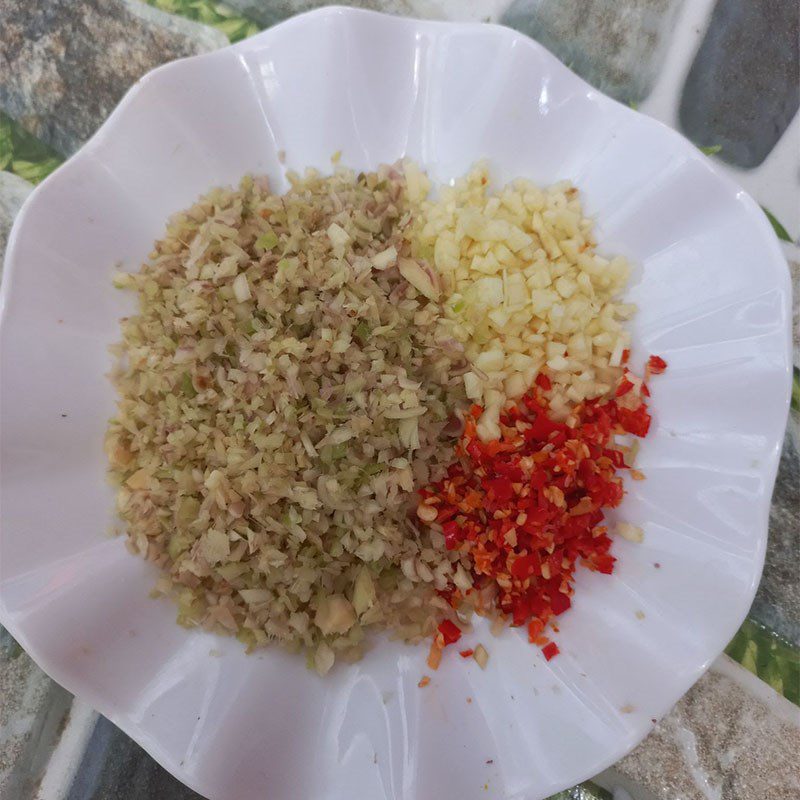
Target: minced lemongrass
{"points": [[285, 385]]}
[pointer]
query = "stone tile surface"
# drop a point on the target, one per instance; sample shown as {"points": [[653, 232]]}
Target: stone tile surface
{"points": [[270, 12], [32, 711], [616, 45], [115, 768], [13, 191], [729, 738], [66, 63], [744, 85], [777, 602], [794, 271]]}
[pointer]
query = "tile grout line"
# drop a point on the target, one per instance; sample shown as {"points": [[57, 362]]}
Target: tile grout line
{"points": [[756, 687], [691, 24], [68, 753]]}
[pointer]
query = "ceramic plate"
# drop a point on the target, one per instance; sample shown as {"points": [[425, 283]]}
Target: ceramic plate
{"points": [[713, 291]]}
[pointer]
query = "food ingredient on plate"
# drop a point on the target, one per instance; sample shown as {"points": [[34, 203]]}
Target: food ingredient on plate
{"points": [[481, 656], [528, 508], [525, 289], [352, 407], [283, 391]]}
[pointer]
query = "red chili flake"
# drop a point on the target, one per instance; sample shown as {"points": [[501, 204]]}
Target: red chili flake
{"points": [[525, 566], [499, 489], [624, 387], [656, 365], [466, 653], [450, 531], [445, 513], [451, 633], [550, 650], [527, 509], [635, 421], [560, 603]]}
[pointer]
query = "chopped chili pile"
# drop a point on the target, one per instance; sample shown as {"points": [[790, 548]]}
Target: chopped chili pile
{"points": [[527, 508]]}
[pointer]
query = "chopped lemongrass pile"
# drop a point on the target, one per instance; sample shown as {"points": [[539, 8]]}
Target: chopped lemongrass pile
{"points": [[284, 388]]}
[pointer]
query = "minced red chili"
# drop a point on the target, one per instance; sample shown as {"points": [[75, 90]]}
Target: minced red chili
{"points": [[550, 650], [451, 633], [656, 365], [528, 508]]}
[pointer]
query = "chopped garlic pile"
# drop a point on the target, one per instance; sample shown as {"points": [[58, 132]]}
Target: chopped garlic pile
{"points": [[524, 289]]}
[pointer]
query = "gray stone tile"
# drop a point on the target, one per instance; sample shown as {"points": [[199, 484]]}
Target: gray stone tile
{"points": [[730, 738], [65, 64], [616, 45], [270, 12], [794, 271], [32, 711], [585, 791], [13, 191], [777, 603], [744, 85], [116, 768]]}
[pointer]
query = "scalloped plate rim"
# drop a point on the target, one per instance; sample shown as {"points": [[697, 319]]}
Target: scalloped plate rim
{"points": [[106, 705]]}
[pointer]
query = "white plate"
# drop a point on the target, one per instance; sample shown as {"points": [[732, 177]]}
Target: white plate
{"points": [[714, 296]]}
